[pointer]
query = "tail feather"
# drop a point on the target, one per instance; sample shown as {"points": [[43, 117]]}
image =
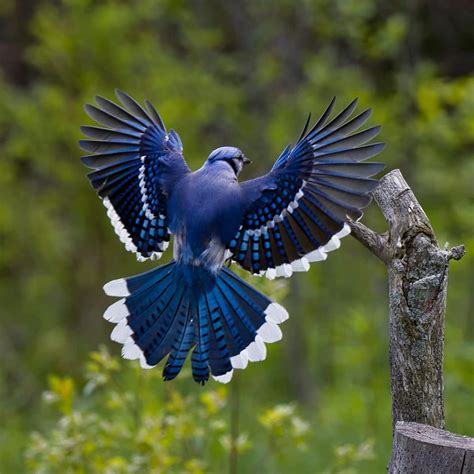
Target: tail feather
{"points": [[219, 359], [242, 317], [162, 344], [138, 284], [250, 313], [159, 317], [183, 343], [148, 316], [245, 289], [246, 330], [238, 338], [221, 319], [143, 307], [200, 355], [257, 304]]}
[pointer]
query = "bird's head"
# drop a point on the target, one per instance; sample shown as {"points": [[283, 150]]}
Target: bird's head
{"points": [[230, 155]]}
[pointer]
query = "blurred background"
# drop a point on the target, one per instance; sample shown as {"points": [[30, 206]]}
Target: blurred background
{"points": [[236, 73]]}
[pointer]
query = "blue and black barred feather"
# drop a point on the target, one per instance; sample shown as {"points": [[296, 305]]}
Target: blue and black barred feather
{"points": [[184, 341], [129, 156], [219, 357], [297, 212], [200, 355]]}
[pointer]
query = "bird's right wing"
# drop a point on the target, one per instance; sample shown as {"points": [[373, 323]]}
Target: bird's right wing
{"points": [[135, 162], [297, 212]]}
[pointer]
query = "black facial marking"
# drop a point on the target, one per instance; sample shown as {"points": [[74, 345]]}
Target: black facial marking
{"points": [[234, 162]]}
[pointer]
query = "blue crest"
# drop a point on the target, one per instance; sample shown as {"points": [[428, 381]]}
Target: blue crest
{"points": [[224, 153]]}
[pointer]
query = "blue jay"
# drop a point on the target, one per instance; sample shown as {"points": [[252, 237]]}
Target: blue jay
{"points": [[273, 225]]}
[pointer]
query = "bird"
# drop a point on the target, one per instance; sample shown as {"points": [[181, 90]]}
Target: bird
{"points": [[271, 226]]}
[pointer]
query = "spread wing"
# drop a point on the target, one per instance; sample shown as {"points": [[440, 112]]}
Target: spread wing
{"points": [[135, 162], [297, 212]]}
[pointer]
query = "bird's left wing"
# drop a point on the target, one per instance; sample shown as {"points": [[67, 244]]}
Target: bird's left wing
{"points": [[297, 212], [135, 162]]}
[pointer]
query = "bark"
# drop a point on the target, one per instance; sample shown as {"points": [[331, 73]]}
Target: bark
{"points": [[423, 449], [418, 281]]}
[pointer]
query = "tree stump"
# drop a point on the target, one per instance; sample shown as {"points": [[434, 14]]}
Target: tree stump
{"points": [[423, 449]]}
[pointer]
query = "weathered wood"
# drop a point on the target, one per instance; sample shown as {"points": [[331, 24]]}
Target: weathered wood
{"points": [[422, 449], [418, 279]]}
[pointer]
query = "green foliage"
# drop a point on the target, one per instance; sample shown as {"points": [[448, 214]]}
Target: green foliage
{"points": [[282, 423], [125, 420], [348, 457], [236, 73]]}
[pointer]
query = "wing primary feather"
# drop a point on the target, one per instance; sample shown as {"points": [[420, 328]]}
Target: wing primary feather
{"points": [[305, 128], [351, 169], [338, 119], [350, 141], [100, 146], [362, 153], [155, 114], [133, 106], [104, 160], [348, 127], [322, 120], [107, 133], [111, 170], [115, 110], [109, 120]]}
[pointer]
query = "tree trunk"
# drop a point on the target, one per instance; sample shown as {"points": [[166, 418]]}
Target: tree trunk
{"points": [[418, 282]]}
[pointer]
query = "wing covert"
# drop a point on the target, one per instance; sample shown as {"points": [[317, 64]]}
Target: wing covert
{"points": [[135, 162], [298, 212]]}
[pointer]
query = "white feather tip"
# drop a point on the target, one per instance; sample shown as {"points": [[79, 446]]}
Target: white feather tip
{"points": [[269, 332], [116, 312], [116, 288], [256, 350], [240, 361], [225, 378], [121, 332], [276, 313]]}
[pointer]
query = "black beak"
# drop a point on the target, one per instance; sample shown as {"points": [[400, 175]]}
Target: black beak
{"points": [[246, 161]]}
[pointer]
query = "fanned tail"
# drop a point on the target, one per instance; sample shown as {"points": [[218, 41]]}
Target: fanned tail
{"points": [[221, 319]]}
